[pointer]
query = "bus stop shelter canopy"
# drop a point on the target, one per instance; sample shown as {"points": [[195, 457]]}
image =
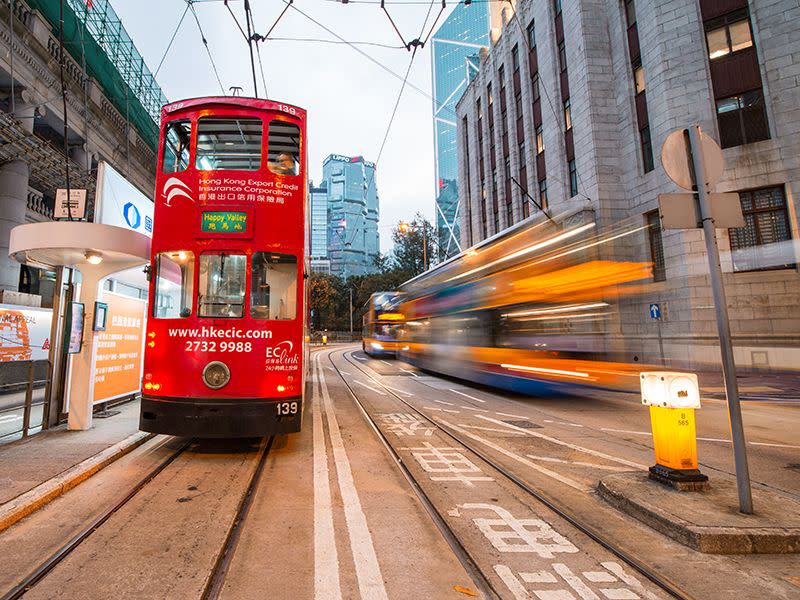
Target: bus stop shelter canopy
{"points": [[97, 251]]}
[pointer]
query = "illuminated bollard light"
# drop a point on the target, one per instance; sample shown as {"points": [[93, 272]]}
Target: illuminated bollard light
{"points": [[673, 398], [324, 340]]}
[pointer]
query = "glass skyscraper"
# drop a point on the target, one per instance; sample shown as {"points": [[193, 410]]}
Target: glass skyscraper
{"points": [[319, 229], [352, 212], [455, 60]]}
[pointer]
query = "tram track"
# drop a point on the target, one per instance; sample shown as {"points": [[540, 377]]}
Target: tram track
{"points": [[217, 577], [470, 563]]}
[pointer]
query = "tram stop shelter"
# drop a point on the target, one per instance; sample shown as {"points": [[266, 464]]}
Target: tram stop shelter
{"points": [[97, 251]]}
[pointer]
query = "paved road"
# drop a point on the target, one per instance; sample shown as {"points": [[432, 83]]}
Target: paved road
{"points": [[407, 485]]}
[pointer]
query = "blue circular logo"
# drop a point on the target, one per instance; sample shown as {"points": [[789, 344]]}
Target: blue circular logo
{"points": [[132, 216]]}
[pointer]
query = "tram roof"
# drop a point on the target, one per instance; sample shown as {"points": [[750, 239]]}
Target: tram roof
{"points": [[243, 101]]}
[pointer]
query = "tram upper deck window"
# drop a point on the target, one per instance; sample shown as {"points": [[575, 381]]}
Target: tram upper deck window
{"points": [[221, 285], [177, 140], [174, 284], [228, 144], [284, 148], [273, 288]]}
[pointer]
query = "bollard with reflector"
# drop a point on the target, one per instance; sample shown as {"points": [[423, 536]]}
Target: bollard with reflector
{"points": [[673, 398], [324, 340]]}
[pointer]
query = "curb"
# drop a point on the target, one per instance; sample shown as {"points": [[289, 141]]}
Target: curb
{"points": [[26, 504]]}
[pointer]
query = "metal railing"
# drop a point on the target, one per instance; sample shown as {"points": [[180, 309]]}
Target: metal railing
{"points": [[30, 386]]}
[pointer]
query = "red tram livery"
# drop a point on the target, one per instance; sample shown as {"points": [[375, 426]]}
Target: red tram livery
{"points": [[225, 352]]}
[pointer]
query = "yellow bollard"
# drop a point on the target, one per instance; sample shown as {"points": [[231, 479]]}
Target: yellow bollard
{"points": [[672, 398], [324, 340]]}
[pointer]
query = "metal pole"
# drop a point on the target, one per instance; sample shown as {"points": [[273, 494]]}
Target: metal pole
{"points": [[351, 313], [250, 44], [424, 247], [26, 414], [724, 327]]}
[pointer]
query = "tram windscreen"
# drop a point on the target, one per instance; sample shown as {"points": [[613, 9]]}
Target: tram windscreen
{"points": [[174, 284], [273, 292], [222, 285], [233, 144]]}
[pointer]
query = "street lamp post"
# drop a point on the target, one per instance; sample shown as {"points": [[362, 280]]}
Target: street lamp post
{"points": [[406, 227]]}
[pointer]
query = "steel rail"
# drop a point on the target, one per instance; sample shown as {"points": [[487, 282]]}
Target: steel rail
{"points": [[672, 588], [480, 580], [220, 571], [50, 563]]}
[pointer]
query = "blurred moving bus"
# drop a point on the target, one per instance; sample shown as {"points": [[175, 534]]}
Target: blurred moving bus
{"points": [[532, 309], [383, 323]]}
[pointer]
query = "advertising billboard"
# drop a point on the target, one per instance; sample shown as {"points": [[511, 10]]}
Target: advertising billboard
{"points": [[24, 333], [118, 360], [118, 202]]}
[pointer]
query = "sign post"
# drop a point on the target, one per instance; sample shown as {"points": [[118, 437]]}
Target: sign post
{"points": [[690, 152]]}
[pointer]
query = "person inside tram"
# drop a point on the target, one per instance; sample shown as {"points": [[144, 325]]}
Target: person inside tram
{"points": [[284, 164]]}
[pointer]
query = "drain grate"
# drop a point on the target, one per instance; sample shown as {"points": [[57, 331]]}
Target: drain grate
{"points": [[523, 424]]}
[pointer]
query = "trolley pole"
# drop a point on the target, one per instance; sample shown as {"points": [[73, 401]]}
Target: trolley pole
{"points": [[723, 325]]}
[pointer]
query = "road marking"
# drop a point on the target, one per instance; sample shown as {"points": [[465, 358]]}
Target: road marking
{"points": [[443, 402], [387, 363], [625, 431], [369, 387], [412, 373], [472, 408], [468, 396], [447, 410], [773, 445], [517, 457], [405, 393], [359, 357], [326, 561], [344, 372], [368, 571], [578, 462], [561, 423], [503, 431], [622, 461], [512, 416]]}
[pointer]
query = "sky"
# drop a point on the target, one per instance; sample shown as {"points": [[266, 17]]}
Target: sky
{"points": [[349, 98]]}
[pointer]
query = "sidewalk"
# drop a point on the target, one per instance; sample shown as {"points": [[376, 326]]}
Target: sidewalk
{"points": [[36, 470], [753, 386]]}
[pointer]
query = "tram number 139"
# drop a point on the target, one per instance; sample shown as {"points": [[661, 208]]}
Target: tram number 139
{"points": [[287, 408]]}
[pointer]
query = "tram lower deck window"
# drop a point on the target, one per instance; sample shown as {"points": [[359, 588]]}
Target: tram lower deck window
{"points": [[174, 284], [221, 285], [273, 292]]}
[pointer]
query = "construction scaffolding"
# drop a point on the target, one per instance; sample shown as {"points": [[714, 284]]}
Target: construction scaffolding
{"points": [[94, 37]]}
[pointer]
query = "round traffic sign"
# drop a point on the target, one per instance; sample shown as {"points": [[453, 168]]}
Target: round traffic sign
{"points": [[676, 160]]}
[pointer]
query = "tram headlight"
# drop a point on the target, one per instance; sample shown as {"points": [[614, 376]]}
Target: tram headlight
{"points": [[376, 346], [216, 375]]}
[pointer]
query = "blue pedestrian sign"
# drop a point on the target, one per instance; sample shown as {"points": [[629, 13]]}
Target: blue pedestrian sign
{"points": [[655, 312]]}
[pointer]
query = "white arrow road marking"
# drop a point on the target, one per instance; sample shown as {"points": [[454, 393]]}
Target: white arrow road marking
{"points": [[468, 396], [369, 387], [577, 462]]}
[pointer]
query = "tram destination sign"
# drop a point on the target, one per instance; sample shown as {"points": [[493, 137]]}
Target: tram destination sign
{"points": [[223, 221]]}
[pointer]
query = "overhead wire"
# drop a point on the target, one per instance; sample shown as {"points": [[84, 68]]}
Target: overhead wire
{"points": [[172, 39], [205, 43], [324, 41]]}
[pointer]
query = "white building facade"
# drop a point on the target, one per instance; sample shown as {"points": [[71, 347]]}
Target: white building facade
{"points": [[570, 109]]}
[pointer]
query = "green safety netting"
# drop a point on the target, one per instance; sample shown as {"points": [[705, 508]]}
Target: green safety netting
{"points": [[111, 58]]}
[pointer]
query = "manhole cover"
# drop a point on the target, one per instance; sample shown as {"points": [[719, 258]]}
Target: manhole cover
{"points": [[523, 424]]}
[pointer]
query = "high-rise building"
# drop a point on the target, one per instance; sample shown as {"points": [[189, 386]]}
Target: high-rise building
{"points": [[455, 60], [352, 212], [575, 104], [319, 229]]}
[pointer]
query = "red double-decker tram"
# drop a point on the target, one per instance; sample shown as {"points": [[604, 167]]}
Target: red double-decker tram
{"points": [[225, 352]]}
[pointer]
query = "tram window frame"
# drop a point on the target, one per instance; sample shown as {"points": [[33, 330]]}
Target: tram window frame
{"points": [[181, 154], [185, 288], [278, 146], [287, 294], [214, 158], [201, 304]]}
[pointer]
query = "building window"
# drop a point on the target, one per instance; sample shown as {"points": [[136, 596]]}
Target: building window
{"points": [[535, 88], [656, 245], [501, 75], [647, 150], [757, 245], [515, 58], [532, 35], [489, 98], [567, 115], [573, 178], [518, 105], [522, 156], [728, 34], [630, 12], [638, 78], [478, 107], [543, 193], [562, 57], [539, 140], [557, 6], [509, 214], [742, 119]]}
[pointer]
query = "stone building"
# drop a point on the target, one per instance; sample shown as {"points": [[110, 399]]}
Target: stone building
{"points": [[573, 102]]}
